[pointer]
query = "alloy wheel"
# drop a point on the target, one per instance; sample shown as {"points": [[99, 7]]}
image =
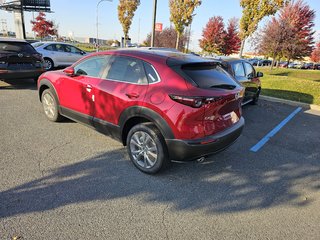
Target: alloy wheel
{"points": [[143, 149], [48, 105]]}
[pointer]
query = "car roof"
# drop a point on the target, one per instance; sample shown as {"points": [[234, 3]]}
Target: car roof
{"points": [[52, 42], [229, 59], [172, 58], [160, 49], [12, 40]]}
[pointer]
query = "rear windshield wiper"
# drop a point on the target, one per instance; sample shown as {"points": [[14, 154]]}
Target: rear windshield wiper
{"points": [[224, 86]]}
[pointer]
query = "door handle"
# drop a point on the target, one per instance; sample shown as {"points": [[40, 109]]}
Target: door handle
{"points": [[132, 95], [89, 88]]}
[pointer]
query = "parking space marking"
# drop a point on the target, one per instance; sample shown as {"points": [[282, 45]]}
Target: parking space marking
{"points": [[266, 138]]}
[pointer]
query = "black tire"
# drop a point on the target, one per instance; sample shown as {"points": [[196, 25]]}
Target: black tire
{"points": [[161, 161], [255, 99], [53, 114], [48, 64]]}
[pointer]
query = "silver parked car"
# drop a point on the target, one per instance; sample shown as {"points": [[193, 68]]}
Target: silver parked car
{"points": [[56, 54]]}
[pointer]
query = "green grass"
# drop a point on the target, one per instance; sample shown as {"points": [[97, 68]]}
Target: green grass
{"points": [[292, 84], [91, 48]]}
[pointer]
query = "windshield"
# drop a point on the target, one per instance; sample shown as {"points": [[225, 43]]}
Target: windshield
{"points": [[37, 44]]}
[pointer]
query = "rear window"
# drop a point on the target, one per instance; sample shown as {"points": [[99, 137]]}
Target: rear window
{"points": [[37, 44], [209, 75], [7, 47]]}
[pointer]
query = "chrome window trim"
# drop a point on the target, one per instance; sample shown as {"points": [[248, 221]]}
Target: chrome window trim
{"points": [[159, 79]]}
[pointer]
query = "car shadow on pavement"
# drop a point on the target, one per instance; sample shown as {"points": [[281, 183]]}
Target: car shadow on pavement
{"points": [[14, 84], [227, 183]]}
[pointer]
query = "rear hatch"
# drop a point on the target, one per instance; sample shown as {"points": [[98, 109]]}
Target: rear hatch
{"points": [[19, 56], [220, 93]]}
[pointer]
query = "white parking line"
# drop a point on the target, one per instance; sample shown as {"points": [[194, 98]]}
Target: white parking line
{"points": [[266, 138]]}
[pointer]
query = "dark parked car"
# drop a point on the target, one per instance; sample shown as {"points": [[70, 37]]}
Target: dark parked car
{"points": [[254, 61], [162, 105], [307, 66], [244, 72], [283, 64], [18, 59], [316, 66], [264, 62]]}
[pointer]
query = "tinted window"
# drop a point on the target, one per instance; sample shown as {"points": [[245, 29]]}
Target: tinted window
{"points": [[249, 70], [93, 67], [152, 76], [209, 76], [6, 47], [72, 49], [238, 69], [55, 47], [127, 69], [51, 47]]}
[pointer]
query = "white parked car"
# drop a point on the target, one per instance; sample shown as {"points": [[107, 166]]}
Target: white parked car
{"points": [[56, 54]]}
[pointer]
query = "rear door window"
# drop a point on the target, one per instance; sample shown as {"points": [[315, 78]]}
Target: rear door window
{"points": [[127, 69], [209, 75], [238, 69], [51, 47], [72, 49]]}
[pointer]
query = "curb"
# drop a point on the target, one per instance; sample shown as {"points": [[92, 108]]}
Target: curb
{"points": [[289, 102]]}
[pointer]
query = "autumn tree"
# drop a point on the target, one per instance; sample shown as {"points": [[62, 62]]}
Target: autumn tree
{"points": [[315, 55], [290, 34], [273, 38], [126, 10], [232, 39], [216, 39], [164, 39], [253, 12], [181, 15], [213, 36], [299, 19], [42, 27]]}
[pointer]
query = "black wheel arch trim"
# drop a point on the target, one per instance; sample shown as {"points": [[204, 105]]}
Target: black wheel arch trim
{"points": [[149, 114], [46, 82]]}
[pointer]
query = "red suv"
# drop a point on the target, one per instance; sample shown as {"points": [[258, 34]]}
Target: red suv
{"points": [[162, 105]]}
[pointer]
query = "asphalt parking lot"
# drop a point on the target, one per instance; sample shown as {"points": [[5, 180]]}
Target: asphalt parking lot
{"points": [[66, 181]]}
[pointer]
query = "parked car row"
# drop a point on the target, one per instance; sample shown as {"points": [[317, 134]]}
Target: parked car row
{"points": [[260, 62], [314, 66], [284, 64]]}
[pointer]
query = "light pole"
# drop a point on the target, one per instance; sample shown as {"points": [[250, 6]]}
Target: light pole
{"points": [[97, 39], [153, 34]]}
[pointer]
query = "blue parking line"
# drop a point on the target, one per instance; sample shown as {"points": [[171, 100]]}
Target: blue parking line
{"points": [[265, 139]]}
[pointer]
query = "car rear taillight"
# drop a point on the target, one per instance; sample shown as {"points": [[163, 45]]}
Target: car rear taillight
{"points": [[195, 102], [37, 55]]}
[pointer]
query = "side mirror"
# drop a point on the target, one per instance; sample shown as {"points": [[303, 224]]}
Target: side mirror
{"points": [[83, 53], [250, 76], [69, 71], [259, 74]]}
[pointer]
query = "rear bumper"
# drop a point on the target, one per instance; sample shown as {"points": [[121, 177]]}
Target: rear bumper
{"points": [[188, 150], [19, 74]]}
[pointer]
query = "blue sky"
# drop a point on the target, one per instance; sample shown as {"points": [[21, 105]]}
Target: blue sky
{"points": [[79, 17]]}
